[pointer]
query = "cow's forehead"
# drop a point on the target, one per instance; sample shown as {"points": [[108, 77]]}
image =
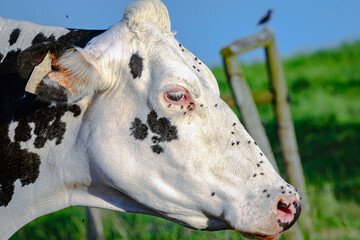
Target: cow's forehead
{"points": [[175, 61]]}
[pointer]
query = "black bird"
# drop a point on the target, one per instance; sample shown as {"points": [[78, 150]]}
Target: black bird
{"points": [[266, 18]]}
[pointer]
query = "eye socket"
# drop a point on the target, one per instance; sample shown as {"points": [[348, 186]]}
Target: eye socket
{"points": [[175, 96]]}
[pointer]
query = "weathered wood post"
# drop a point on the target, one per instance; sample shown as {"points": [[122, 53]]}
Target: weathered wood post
{"points": [[278, 96], [286, 130], [94, 225], [247, 107]]}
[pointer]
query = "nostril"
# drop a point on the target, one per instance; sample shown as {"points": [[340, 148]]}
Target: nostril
{"points": [[282, 207], [287, 213], [284, 213]]}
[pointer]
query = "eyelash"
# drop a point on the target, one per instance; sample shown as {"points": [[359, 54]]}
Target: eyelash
{"points": [[176, 96], [180, 97]]}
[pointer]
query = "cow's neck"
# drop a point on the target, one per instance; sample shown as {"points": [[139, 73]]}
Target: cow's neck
{"points": [[62, 169]]}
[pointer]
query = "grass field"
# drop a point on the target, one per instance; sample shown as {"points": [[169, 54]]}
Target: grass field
{"points": [[325, 92]]}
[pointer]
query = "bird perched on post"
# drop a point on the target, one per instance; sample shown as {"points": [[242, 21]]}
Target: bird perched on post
{"points": [[266, 18]]}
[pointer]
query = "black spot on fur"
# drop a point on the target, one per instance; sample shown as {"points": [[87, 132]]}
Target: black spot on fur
{"points": [[1, 57], [15, 163], [157, 149], [138, 129], [53, 92], [165, 132], [9, 64], [40, 38], [136, 65], [14, 36], [162, 127], [79, 37]]}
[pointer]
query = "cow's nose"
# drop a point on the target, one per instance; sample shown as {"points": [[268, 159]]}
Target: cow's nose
{"points": [[287, 213]]}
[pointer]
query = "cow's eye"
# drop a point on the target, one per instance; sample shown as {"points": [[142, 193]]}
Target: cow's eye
{"points": [[176, 96]]}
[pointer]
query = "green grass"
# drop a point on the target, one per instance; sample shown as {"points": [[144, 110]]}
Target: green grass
{"points": [[325, 92]]}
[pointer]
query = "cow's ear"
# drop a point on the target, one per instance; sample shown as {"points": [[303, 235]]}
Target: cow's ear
{"points": [[72, 75]]}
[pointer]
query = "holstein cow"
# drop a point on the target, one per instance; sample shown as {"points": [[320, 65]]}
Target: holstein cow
{"points": [[128, 119]]}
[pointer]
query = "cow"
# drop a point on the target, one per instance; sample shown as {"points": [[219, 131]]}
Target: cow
{"points": [[128, 119]]}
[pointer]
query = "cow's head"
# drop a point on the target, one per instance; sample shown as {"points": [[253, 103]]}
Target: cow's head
{"points": [[156, 135]]}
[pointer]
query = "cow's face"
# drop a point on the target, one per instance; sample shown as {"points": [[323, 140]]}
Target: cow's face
{"points": [[157, 136]]}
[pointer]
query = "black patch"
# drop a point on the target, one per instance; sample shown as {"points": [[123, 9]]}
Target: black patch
{"points": [[165, 132], [136, 65], [1, 57], [17, 105], [162, 127], [9, 64], [56, 93], [138, 129], [157, 149], [40, 38], [79, 37], [14, 36]]}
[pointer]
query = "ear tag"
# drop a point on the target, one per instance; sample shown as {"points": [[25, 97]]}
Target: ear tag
{"points": [[38, 74]]}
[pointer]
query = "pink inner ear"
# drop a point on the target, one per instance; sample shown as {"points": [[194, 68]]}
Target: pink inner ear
{"points": [[64, 77]]}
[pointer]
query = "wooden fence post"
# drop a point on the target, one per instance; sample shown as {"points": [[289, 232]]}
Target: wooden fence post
{"points": [[94, 226], [247, 108], [286, 131], [241, 92]]}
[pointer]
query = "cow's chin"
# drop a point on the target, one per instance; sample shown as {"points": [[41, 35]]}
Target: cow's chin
{"points": [[260, 236]]}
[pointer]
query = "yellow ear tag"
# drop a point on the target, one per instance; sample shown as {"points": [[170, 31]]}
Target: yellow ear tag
{"points": [[38, 74]]}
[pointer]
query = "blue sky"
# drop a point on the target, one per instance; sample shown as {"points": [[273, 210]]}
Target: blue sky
{"points": [[205, 26]]}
